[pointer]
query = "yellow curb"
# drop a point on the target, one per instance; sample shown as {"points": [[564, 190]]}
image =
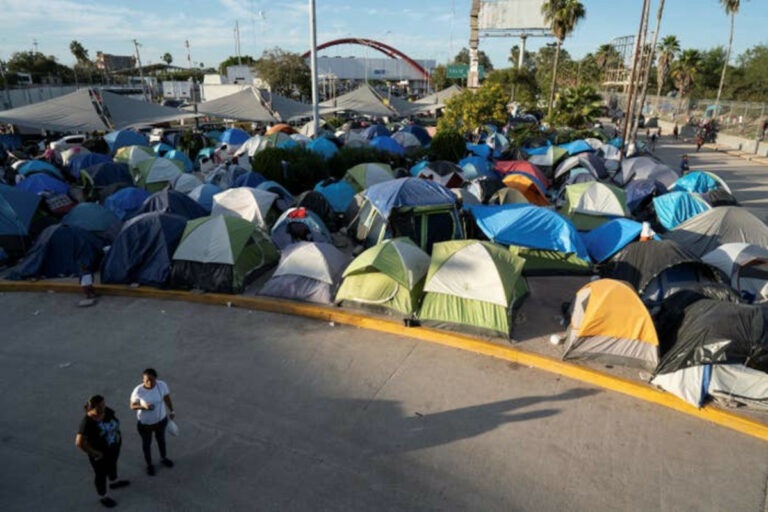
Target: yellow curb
{"points": [[632, 388]]}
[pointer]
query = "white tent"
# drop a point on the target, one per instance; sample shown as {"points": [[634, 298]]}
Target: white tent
{"points": [[745, 264], [247, 203], [186, 183]]}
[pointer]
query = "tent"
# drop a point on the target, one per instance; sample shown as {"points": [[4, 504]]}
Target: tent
{"points": [[297, 225], [60, 251], [507, 196], [285, 199], [485, 187], [609, 322], [17, 209], [549, 243], [338, 194], [142, 251], [577, 146], [286, 109], [720, 197], [323, 147], [387, 144], [475, 166], [126, 112], [182, 157], [473, 286], [251, 204], [175, 202], [203, 195], [185, 183], [363, 100], [126, 202], [722, 225], [307, 271], [506, 167], [317, 203], [94, 218], [747, 267], [132, 156], [363, 176], [161, 148], [592, 204], [281, 127], [386, 277], [84, 160], [249, 179], [234, 136], [106, 174], [443, 172], [376, 130], [70, 153], [408, 141], [419, 132], [640, 194], [676, 207], [221, 254], [155, 174], [644, 167], [252, 146], [700, 182], [528, 187], [38, 166], [73, 112], [547, 160], [422, 210], [606, 240], [593, 163], [124, 138], [41, 184]]}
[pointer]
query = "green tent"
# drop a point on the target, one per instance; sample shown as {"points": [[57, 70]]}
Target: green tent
{"points": [[388, 276], [154, 174], [132, 156], [541, 262], [363, 176], [592, 204], [473, 286], [221, 254]]}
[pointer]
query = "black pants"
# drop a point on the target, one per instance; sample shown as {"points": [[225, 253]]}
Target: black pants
{"points": [[145, 431], [105, 467]]}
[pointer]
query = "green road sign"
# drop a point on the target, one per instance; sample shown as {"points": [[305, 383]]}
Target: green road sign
{"points": [[461, 71]]}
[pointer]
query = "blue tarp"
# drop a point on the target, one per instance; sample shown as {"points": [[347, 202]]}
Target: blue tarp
{"points": [[17, 207], [93, 217], [480, 150], [173, 201], [323, 147], [338, 194], [82, 161], [405, 192], [106, 174], [530, 226], [419, 132], [249, 179], [126, 202], [234, 136], [608, 239], [59, 251], [475, 166], [376, 130], [388, 144], [34, 166], [676, 207], [143, 250], [203, 195], [122, 138], [576, 147], [696, 181], [182, 157], [39, 183], [162, 148], [541, 150]]}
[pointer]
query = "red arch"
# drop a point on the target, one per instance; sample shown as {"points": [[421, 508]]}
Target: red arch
{"points": [[381, 47]]}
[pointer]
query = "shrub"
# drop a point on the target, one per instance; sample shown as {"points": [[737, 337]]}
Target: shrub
{"points": [[347, 158], [297, 169], [447, 145]]}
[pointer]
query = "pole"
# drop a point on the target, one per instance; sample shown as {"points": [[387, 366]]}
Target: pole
{"points": [[473, 79], [141, 70], [237, 43], [194, 83], [651, 56], [634, 120], [521, 57], [313, 66], [630, 92]]}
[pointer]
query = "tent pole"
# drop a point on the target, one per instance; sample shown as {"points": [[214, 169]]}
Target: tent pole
{"points": [[313, 65]]}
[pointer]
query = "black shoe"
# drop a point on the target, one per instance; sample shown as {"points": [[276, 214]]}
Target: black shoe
{"points": [[151, 470], [119, 483], [167, 463], [108, 502]]}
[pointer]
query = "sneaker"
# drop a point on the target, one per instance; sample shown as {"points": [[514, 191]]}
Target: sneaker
{"points": [[108, 502], [167, 463], [119, 483], [151, 470]]}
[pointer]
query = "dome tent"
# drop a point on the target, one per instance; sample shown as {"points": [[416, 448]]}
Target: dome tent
{"points": [[126, 202], [172, 201], [505, 167], [41, 184], [592, 204], [203, 195], [338, 194], [528, 187], [474, 286], [700, 182], [17, 209], [221, 254], [747, 267], [386, 277], [307, 271], [106, 174], [94, 218], [299, 224], [724, 224], [84, 160], [363, 176], [445, 173], [123, 138], [60, 251], [608, 239], [674, 208], [254, 205], [142, 251], [185, 183], [132, 156], [155, 174]]}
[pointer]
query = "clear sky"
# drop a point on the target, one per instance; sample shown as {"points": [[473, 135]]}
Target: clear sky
{"points": [[422, 29]]}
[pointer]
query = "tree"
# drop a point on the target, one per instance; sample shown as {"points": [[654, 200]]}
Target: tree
{"points": [[38, 65], [439, 79], [685, 70], [521, 83], [463, 58], [246, 60], [167, 58], [710, 68], [469, 111], [79, 52], [286, 73], [577, 107], [731, 8], [669, 47], [562, 15], [514, 57], [606, 56]]}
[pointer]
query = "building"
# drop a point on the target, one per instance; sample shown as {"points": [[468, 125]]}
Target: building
{"points": [[332, 71], [109, 62]]}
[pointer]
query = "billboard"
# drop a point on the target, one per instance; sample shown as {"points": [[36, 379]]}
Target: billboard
{"points": [[511, 15]]}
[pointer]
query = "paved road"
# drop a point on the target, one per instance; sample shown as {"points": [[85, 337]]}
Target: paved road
{"points": [[283, 413]]}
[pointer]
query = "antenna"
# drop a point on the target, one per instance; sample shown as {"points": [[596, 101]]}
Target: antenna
{"points": [[34, 43]]}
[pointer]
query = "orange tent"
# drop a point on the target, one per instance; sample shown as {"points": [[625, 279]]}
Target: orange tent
{"points": [[282, 127], [527, 187], [507, 166]]}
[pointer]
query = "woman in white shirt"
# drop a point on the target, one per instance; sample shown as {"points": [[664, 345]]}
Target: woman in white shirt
{"points": [[152, 401]]}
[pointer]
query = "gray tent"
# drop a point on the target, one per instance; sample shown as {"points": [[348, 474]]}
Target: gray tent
{"points": [[363, 100], [721, 225], [307, 271], [645, 167], [437, 100], [245, 105]]}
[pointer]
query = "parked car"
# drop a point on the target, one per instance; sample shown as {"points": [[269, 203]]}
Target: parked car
{"points": [[67, 142]]}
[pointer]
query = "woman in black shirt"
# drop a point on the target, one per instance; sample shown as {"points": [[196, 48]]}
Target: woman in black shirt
{"points": [[99, 437]]}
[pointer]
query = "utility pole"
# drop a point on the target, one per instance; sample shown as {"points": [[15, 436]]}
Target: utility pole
{"points": [[651, 55], [34, 43], [631, 91], [521, 57], [643, 62], [313, 66], [141, 70], [473, 74], [194, 83]]}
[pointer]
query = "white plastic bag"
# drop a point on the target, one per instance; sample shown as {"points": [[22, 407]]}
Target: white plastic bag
{"points": [[172, 428]]}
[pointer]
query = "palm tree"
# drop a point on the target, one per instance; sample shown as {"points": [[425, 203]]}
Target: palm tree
{"points": [[684, 71], [79, 52], [669, 47], [731, 8], [168, 58], [605, 55], [562, 15]]}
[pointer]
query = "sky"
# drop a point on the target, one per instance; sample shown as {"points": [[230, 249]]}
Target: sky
{"points": [[422, 29]]}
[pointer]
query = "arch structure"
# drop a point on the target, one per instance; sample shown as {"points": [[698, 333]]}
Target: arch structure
{"points": [[376, 45]]}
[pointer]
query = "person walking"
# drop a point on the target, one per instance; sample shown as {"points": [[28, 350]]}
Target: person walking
{"points": [[699, 141], [99, 437], [675, 131], [684, 165], [653, 141], [152, 401]]}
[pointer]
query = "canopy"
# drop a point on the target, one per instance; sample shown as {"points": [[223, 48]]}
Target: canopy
{"points": [[17, 208], [126, 112], [363, 100], [73, 112], [338, 194], [245, 105]]}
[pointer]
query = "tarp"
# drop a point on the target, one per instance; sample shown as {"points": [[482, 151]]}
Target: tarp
{"points": [[606, 240], [437, 100], [718, 226], [126, 112], [74, 112], [245, 105], [286, 109], [700, 181], [363, 100], [93, 217]]}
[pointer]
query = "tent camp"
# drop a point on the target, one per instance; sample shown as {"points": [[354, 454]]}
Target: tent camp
{"points": [[154, 174], [445, 173], [60, 251], [297, 225], [746, 265], [172, 201], [221, 254], [608, 239], [722, 225], [307, 271], [589, 205], [609, 322], [674, 208], [126, 202], [142, 251], [386, 277], [474, 286], [254, 205]]}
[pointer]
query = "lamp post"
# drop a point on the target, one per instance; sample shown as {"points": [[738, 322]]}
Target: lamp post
{"points": [[313, 66]]}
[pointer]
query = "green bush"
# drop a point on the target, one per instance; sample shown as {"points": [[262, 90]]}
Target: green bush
{"points": [[302, 170], [347, 158], [447, 145], [334, 122]]}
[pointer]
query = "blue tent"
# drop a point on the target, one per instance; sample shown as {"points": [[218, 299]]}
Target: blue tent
{"points": [[475, 166], [638, 190], [203, 195], [416, 169], [608, 239], [617, 142], [35, 166], [480, 150], [93, 217], [234, 136], [182, 157], [39, 183], [404, 192], [420, 133], [286, 199], [577, 146], [284, 232], [122, 138], [698, 181], [161, 148], [497, 142], [388, 144], [530, 226], [339, 194], [541, 150], [17, 208], [59, 251], [376, 130], [205, 153], [82, 161], [109, 173], [173, 201], [143, 250], [249, 179], [287, 144], [323, 147], [10, 142], [126, 202], [676, 207]]}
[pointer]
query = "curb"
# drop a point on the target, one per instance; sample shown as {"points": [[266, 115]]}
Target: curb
{"points": [[597, 378]]}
